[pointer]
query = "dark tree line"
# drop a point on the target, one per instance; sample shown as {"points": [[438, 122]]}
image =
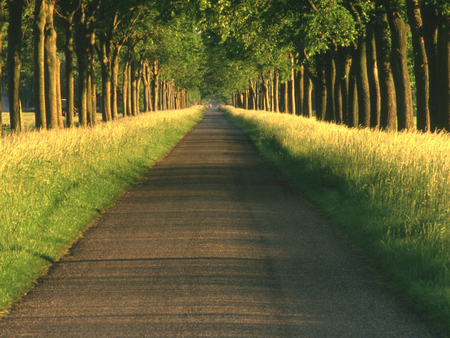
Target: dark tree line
{"points": [[108, 54], [381, 63]]}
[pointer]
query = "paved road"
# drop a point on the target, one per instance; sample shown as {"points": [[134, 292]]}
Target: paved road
{"points": [[211, 244]]}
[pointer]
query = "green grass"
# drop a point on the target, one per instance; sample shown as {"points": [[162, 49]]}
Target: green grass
{"points": [[387, 193], [54, 183]]}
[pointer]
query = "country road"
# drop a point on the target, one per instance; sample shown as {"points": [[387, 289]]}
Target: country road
{"points": [[211, 243]]}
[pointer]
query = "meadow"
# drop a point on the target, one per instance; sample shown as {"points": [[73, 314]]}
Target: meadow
{"points": [[388, 195], [54, 183]]}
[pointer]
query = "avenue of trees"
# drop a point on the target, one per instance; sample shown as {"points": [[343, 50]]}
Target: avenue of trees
{"points": [[372, 63], [367, 63], [121, 56]]}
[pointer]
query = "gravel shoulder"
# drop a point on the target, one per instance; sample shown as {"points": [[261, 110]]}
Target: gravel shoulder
{"points": [[210, 243]]}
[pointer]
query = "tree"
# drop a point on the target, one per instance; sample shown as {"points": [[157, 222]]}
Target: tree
{"points": [[14, 62], [402, 82], [2, 20]]}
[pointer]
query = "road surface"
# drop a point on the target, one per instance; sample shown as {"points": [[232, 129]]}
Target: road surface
{"points": [[211, 243]]}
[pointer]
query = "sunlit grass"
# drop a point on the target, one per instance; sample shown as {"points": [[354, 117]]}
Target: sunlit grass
{"points": [[53, 183], [389, 194]]}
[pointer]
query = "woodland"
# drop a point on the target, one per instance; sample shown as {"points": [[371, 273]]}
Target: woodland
{"points": [[364, 63]]}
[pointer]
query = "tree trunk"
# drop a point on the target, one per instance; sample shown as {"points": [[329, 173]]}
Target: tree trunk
{"points": [[155, 89], [330, 75], [81, 51], [58, 94], [307, 99], [125, 97], [2, 21], [130, 111], [145, 81], [430, 30], [353, 115], [321, 88], [372, 75], [299, 89], [93, 95], [402, 83], [343, 66], [388, 103], [292, 86], [114, 80], [105, 62], [40, 17], [68, 52], [51, 69], [443, 57], [362, 82], [15, 63], [420, 65], [276, 95]]}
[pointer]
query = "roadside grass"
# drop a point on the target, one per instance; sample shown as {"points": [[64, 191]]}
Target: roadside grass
{"points": [[387, 193], [54, 183]]}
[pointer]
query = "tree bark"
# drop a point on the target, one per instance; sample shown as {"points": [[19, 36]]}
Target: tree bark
{"points": [[299, 89], [51, 69], [330, 74], [362, 82], [81, 51], [276, 95], [125, 97], [402, 82], [372, 75], [15, 63], [430, 30], [292, 86], [420, 65], [2, 21], [307, 97], [40, 17], [388, 103], [443, 57], [155, 89], [68, 52]]}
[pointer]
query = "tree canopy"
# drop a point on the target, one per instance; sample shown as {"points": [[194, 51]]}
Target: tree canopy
{"points": [[349, 61]]}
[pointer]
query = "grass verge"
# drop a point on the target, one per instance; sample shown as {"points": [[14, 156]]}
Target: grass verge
{"points": [[388, 193], [54, 183]]}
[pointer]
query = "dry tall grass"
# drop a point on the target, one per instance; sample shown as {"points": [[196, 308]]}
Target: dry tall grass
{"points": [[389, 193]]}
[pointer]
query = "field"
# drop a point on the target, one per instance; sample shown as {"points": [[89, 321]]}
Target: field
{"points": [[387, 193], [54, 183]]}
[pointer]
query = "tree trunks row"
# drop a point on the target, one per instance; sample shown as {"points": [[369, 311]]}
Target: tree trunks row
{"points": [[79, 20], [368, 84]]}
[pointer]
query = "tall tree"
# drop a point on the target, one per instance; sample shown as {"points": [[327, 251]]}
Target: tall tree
{"points": [[420, 65], [14, 62], [51, 68], [399, 30], [388, 107], [40, 17], [2, 20]]}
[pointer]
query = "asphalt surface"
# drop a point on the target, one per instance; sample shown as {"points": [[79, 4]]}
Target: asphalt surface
{"points": [[210, 243]]}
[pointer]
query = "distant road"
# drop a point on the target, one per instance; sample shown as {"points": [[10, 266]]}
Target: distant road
{"points": [[210, 243]]}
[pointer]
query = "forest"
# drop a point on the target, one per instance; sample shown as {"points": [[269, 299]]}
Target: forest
{"points": [[379, 64]]}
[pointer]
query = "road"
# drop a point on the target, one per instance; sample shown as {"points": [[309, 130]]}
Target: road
{"points": [[211, 243]]}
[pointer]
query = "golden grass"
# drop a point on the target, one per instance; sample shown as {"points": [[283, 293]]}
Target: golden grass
{"points": [[388, 192], [53, 183]]}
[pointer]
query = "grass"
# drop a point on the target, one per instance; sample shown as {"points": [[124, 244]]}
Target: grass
{"points": [[388, 193], [54, 183]]}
